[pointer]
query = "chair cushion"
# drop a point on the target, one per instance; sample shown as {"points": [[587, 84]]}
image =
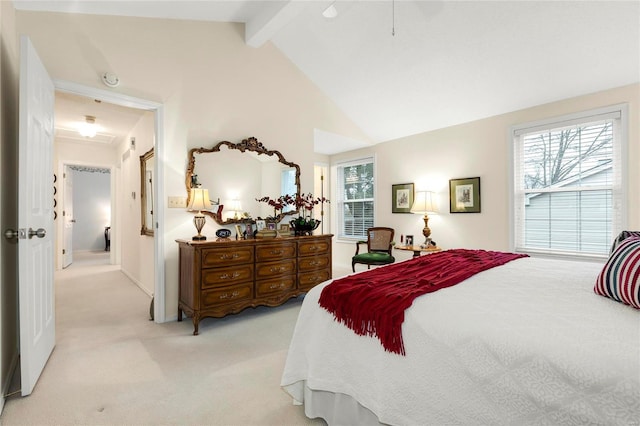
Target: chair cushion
{"points": [[373, 258]]}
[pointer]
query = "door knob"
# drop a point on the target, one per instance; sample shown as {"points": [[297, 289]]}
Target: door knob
{"points": [[10, 234], [40, 233]]}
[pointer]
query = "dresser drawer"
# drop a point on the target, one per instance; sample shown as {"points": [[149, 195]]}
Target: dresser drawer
{"points": [[226, 276], [311, 263], [224, 256], [307, 280], [312, 248], [222, 296], [275, 269], [268, 253], [275, 285]]}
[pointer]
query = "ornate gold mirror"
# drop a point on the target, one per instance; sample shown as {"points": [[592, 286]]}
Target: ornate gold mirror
{"points": [[238, 174], [146, 192]]}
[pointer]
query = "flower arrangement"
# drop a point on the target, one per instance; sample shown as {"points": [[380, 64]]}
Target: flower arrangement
{"points": [[303, 203]]}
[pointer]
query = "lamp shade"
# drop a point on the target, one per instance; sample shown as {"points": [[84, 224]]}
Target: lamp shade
{"points": [[199, 199], [424, 203]]}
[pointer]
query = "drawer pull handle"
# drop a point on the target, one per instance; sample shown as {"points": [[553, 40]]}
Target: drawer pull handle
{"points": [[314, 263], [276, 251], [232, 295], [229, 277], [274, 286], [226, 256], [279, 269], [313, 248]]}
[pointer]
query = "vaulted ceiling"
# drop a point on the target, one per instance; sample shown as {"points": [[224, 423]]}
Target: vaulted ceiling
{"points": [[403, 67]]}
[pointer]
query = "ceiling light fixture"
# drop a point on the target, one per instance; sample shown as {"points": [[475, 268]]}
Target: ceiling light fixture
{"points": [[88, 129], [330, 12]]}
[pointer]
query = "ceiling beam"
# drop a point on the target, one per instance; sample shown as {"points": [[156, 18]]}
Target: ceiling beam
{"points": [[263, 27]]}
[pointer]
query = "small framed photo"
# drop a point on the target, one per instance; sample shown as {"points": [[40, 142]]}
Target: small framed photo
{"points": [[249, 230], [401, 198], [408, 240], [239, 235], [260, 225], [271, 226], [464, 195], [284, 230]]}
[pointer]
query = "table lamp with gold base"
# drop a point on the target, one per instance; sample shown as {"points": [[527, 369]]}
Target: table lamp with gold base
{"points": [[424, 204]]}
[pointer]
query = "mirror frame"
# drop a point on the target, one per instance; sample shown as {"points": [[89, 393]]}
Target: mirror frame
{"points": [[145, 195], [252, 145]]}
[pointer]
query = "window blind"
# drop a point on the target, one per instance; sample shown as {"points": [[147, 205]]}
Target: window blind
{"points": [[356, 198], [568, 184]]}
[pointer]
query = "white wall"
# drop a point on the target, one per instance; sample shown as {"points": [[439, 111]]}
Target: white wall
{"points": [[91, 209], [136, 258], [480, 148]]}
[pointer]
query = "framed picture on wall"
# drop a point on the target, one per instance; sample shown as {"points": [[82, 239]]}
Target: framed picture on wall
{"points": [[464, 195], [401, 198]]}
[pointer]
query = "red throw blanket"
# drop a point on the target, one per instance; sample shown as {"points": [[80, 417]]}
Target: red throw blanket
{"points": [[373, 302]]}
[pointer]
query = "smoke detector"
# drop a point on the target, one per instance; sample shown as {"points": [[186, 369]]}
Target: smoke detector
{"points": [[110, 79]]}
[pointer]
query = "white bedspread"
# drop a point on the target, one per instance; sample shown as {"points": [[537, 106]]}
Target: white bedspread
{"points": [[525, 343]]}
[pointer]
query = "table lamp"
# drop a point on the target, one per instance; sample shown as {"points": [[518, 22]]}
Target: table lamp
{"points": [[199, 201], [424, 204]]}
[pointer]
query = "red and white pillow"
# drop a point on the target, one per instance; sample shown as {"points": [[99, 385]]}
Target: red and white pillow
{"points": [[620, 277]]}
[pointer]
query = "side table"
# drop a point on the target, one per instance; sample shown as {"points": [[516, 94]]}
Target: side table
{"points": [[417, 250]]}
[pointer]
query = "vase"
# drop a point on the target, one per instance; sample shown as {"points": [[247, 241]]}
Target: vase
{"points": [[306, 228]]}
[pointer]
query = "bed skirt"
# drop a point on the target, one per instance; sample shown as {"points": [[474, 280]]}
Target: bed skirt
{"points": [[335, 408]]}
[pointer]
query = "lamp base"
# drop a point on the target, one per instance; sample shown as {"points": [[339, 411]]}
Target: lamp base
{"points": [[199, 238]]}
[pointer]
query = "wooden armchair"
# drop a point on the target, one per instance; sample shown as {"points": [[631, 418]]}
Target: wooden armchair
{"points": [[379, 245]]}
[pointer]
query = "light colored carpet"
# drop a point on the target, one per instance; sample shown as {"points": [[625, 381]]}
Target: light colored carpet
{"points": [[111, 365]]}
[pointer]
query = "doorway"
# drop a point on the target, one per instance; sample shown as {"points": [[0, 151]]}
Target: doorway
{"points": [[124, 193], [86, 207]]}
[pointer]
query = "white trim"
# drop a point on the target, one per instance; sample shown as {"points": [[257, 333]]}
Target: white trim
{"points": [[609, 112], [158, 109]]}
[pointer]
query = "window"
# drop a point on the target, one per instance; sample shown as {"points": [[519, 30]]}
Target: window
{"points": [[568, 192], [355, 198], [288, 185]]}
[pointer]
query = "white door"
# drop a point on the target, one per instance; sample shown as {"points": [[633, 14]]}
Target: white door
{"points": [[67, 217], [35, 216]]}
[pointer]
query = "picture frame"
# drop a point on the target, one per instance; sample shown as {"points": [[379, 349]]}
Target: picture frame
{"points": [[271, 226], [464, 195], [249, 230], [239, 235], [402, 197], [260, 225], [285, 230], [408, 240]]}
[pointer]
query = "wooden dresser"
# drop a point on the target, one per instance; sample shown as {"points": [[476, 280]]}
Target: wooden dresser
{"points": [[218, 278]]}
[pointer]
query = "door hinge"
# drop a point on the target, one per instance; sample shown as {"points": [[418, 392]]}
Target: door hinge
{"points": [[64, 251]]}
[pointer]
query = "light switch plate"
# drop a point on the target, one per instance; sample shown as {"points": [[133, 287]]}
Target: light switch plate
{"points": [[177, 202]]}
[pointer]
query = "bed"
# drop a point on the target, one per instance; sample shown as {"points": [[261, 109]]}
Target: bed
{"points": [[528, 342]]}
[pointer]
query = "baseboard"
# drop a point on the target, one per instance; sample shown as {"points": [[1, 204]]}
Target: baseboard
{"points": [[136, 282]]}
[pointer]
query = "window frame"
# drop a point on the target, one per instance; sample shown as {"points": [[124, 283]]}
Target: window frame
{"points": [[619, 113], [340, 200]]}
